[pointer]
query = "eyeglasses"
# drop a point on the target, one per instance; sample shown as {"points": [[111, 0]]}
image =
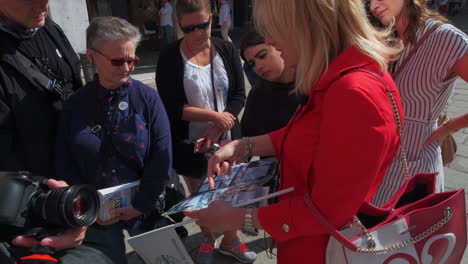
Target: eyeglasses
{"points": [[190, 29], [119, 61]]}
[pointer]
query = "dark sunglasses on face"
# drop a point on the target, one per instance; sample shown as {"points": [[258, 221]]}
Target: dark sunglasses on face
{"points": [[119, 61], [190, 29]]}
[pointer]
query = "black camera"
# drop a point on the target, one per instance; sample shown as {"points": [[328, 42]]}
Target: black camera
{"points": [[29, 207]]}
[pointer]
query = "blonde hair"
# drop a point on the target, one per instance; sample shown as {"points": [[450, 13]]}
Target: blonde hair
{"points": [[319, 30]]}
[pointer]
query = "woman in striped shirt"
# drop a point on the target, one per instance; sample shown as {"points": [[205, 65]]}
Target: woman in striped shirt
{"points": [[425, 83]]}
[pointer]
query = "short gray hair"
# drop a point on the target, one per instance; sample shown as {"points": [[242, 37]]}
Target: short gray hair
{"points": [[108, 28]]}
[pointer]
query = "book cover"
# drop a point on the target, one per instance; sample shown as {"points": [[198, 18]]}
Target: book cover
{"points": [[119, 196]]}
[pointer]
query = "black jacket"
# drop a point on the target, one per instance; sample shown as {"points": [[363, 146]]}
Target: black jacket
{"points": [[28, 115], [170, 84]]}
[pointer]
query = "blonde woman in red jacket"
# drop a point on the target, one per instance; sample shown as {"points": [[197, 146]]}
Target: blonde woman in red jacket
{"points": [[337, 147]]}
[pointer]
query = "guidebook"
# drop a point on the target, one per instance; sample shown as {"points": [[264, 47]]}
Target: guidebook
{"points": [[119, 196], [247, 181]]}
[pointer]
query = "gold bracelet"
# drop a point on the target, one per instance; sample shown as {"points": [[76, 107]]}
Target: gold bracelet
{"points": [[248, 145]]}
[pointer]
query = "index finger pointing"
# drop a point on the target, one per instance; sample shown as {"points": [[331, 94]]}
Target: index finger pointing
{"points": [[211, 181]]}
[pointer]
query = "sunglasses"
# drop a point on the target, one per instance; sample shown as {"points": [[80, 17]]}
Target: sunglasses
{"points": [[119, 61], [190, 29]]}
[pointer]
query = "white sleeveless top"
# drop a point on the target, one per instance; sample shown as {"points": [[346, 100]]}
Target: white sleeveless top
{"points": [[425, 95]]}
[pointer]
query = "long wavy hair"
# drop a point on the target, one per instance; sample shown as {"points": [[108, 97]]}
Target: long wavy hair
{"points": [[320, 30], [417, 13]]}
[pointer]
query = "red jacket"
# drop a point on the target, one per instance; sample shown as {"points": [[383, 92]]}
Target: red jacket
{"points": [[337, 148]]}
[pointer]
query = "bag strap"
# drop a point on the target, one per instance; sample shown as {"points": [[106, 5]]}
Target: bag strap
{"points": [[27, 68], [414, 49], [397, 116], [93, 117], [316, 211]]}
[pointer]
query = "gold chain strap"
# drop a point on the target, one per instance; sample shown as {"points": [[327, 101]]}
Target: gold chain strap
{"points": [[448, 213], [400, 132]]}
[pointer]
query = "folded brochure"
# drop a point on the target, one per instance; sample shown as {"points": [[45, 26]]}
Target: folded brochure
{"points": [[247, 181]]}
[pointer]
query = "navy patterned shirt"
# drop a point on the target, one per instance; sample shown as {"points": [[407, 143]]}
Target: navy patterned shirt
{"points": [[136, 145]]}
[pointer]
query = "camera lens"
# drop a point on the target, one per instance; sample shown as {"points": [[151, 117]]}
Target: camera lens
{"points": [[79, 207], [69, 206]]}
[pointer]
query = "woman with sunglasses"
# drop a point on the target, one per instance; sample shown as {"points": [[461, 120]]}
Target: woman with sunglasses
{"points": [[113, 131], [336, 148], [201, 82]]}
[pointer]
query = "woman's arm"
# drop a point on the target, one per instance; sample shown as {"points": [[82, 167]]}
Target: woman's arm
{"points": [[158, 165], [223, 120], [346, 166], [448, 127], [343, 173], [461, 67]]}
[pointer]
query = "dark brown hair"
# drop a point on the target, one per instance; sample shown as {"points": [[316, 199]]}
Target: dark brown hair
{"points": [[417, 13], [192, 6]]}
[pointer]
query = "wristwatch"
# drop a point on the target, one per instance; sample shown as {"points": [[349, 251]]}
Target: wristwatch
{"points": [[249, 229]]}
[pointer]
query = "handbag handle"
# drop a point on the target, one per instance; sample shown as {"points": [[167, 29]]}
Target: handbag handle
{"points": [[448, 213], [414, 49]]}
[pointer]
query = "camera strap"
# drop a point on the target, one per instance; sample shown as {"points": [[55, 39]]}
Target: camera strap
{"points": [[29, 70], [39, 78]]}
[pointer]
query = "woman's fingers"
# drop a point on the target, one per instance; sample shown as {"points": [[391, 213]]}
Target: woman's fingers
{"points": [[224, 168]]}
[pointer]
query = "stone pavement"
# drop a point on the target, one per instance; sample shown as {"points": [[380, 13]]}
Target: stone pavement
{"points": [[456, 174]]}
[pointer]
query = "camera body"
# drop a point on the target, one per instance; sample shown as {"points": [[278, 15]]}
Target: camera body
{"points": [[29, 207]]}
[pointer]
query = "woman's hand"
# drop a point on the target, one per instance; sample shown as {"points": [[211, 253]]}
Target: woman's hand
{"points": [[218, 217], [438, 136], [222, 160], [224, 120], [212, 136], [71, 237]]}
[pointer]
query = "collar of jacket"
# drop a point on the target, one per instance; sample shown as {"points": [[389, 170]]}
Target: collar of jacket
{"points": [[349, 59], [15, 29]]}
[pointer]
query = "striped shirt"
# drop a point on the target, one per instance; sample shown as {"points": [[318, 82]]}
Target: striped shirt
{"points": [[425, 90]]}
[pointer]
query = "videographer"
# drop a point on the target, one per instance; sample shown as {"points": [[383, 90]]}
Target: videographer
{"points": [[30, 102], [38, 71]]}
